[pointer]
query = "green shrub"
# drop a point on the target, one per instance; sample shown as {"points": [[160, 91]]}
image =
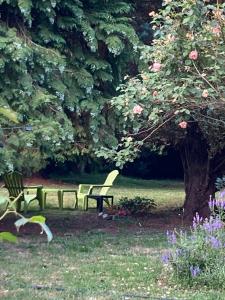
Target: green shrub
{"points": [[137, 205]]}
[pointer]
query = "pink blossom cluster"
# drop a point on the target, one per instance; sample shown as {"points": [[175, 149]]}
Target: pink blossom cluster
{"points": [[193, 55], [156, 66], [137, 110], [183, 124]]}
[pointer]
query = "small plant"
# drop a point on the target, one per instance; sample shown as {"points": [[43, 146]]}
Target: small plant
{"points": [[137, 205], [198, 258]]}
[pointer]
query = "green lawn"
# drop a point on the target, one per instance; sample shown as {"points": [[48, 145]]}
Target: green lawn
{"points": [[166, 193], [91, 258]]}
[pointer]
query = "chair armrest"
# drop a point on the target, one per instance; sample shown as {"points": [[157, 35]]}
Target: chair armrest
{"points": [[85, 188], [33, 187], [90, 187], [97, 186]]}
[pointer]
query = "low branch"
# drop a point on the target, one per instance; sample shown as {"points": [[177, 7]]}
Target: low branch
{"points": [[207, 81], [219, 165], [161, 125]]}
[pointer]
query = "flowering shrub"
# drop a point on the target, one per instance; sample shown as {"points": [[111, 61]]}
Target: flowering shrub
{"points": [[181, 92], [199, 257]]}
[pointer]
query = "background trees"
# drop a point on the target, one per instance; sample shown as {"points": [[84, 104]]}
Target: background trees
{"points": [[179, 98], [60, 63]]}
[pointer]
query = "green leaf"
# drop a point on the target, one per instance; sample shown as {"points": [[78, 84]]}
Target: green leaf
{"points": [[37, 219], [8, 236]]}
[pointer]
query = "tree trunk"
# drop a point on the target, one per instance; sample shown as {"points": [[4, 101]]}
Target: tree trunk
{"points": [[199, 177]]}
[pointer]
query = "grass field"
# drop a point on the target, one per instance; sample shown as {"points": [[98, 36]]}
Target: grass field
{"points": [[166, 193], [91, 258]]}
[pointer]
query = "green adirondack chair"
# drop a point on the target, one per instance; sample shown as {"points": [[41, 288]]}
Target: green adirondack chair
{"points": [[14, 184], [87, 191]]}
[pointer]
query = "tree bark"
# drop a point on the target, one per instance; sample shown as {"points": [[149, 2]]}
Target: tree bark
{"points": [[199, 178]]}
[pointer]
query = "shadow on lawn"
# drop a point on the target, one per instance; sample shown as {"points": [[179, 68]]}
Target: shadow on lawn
{"points": [[69, 222]]}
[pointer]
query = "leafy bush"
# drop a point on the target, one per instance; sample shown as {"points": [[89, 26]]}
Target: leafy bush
{"points": [[198, 258], [137, 205]]}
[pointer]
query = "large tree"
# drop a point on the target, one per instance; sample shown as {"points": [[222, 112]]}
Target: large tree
{"points": [[60, 62], [179, 99]]}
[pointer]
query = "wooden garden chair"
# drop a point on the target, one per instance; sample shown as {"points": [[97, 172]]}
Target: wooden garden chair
{"points": [[98, 192], [14, 184]]}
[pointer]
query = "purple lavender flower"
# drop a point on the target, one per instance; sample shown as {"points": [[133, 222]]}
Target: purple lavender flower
{"points": [[213, 224], [211, 204], [171, 237], [195, 271], [166, 257], [220, 203], [197, 220], [215, 243]]}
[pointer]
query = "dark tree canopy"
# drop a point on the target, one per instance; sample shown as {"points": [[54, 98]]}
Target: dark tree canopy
{"points": [[60, 63]]}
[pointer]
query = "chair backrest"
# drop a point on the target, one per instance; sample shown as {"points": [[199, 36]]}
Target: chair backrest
{"points": [[109, 181], [14, 183]]}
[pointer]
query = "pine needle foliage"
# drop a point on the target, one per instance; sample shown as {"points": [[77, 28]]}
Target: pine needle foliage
{"points": [[60, 63]]}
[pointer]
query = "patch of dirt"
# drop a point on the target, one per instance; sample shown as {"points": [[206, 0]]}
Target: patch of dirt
{"points": [[63, 224]]}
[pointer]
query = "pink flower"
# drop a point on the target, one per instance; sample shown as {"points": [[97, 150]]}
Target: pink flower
{"points": [[183, 124], [155, 93], [216, 30], [205, 94], [193, 55], [156, 67], [137, 110]]}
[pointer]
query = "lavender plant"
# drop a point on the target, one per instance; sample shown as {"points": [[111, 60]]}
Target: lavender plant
{"points": [[198, 257]]}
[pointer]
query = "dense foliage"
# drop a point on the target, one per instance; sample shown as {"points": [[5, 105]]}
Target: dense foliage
{"points": [[60, 63], [178, 100]]}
